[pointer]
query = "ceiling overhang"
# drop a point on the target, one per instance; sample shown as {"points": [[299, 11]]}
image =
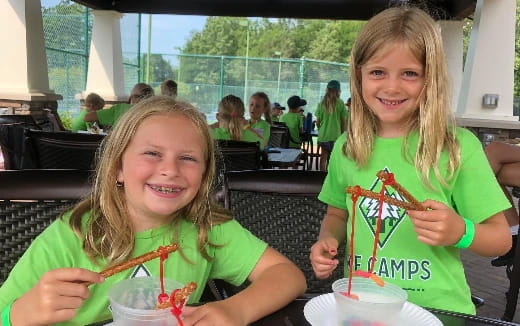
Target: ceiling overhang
{"points": [[323, 9]]}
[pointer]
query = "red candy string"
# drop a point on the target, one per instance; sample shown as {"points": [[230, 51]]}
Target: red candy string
{"points": [[390, 181], [177, 309], [163, 297]]}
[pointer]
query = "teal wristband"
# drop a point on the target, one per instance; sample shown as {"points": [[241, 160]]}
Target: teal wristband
{"points": [[6, 315], [466, 240]]}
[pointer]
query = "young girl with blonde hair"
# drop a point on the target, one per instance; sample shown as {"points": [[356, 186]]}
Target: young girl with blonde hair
{"points": [[152, 188], [401, 122], [259, 105], [331, 120], [231, 122]]}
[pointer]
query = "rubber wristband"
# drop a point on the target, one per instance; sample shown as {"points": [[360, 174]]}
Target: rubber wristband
{"points": [[466, 240], [6, 315]]}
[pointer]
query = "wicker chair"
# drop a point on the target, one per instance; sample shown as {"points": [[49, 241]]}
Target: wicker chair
{"points": [[281, 207], [29, 201], [63, 150]]}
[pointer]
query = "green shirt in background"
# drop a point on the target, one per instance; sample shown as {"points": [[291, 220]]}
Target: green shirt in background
{"points": [[263, 129], [330, 123], [247, 135], [109, 117], [79, 122], [58, 247], [294, 122], [432, 275]]}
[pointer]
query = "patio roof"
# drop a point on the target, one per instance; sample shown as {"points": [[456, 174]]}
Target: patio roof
{"points": [[325, 9]]}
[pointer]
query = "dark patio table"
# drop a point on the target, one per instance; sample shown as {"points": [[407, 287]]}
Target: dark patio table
{"points": [[292, 315]]}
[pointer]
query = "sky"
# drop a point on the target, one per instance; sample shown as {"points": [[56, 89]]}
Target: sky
{"points": [[169, 32]]}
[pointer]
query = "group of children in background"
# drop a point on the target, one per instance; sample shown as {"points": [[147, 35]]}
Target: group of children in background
{"points": [[153, 187]]}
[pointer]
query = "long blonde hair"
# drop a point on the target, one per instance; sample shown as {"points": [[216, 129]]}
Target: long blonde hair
{"points": [[231, 113], [329, 99], [108, 233], [267, 105], [433, 120]]}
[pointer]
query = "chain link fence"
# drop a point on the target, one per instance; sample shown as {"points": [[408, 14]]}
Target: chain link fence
{"points": [[67, 42], [203, 80]]}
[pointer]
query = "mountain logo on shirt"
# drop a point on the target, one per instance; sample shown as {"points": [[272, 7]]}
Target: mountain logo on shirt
{"points": [[391, 215], [140, 271]]}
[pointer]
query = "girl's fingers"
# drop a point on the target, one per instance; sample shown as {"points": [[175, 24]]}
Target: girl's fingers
{"points": [[67, 303], [77, 275]]}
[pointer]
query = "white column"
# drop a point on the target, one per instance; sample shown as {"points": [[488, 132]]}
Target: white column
{"points": [[452, 35], [489, 67], [105, 69], [23, 68]]}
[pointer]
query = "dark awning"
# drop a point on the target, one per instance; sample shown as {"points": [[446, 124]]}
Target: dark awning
{"points": [[325, 9]]}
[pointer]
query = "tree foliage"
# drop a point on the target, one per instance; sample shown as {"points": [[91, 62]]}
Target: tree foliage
{"points": [[293, 38]]}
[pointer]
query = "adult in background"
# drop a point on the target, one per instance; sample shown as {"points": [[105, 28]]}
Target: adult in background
{"points": [[108, 117], [331, 120], [93, 102], [169, 88]]}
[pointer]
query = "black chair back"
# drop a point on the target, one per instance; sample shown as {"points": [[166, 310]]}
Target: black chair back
{"points": [[236, 155], [63, 150], [13, 142], [279, 136], [29, 201], [281, 207]]}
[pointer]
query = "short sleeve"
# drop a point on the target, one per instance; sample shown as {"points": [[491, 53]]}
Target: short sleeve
{"points": [[238, 253], [333, 190]]}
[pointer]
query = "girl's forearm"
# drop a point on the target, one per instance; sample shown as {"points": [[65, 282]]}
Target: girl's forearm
{"points": [[492, 237], [333, 226], [275, 288]]}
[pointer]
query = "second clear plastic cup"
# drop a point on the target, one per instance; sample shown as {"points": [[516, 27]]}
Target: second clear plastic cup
{"points": [[376, 304]]}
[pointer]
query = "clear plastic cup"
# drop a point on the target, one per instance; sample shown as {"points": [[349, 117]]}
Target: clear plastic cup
{"points": [[376, 304], [133, 302]]}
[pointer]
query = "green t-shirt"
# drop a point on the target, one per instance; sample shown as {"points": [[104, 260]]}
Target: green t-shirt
{"points": [[263, 129], [247, 135], [432, 275], [275, 118], [59, 247], [330, 123], [79, 123], [294, 122], [109, 117]]}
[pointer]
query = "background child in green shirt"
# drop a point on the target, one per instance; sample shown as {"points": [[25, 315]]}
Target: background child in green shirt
{"points": [[93, 102], [398, 123], [231, 124], [331, 120], [294, 120], [259, 105]]}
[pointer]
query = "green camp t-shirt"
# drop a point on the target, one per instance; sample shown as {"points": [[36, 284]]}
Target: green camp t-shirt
{"points": [[433, 276], [247, 135], [294, 122], [263, 129], [109, 117], [330, 123], [59, 247], [79, 123]]}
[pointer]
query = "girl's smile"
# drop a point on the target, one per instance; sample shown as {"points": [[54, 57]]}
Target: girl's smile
{"points": [[392, 82], [162, 169]]}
